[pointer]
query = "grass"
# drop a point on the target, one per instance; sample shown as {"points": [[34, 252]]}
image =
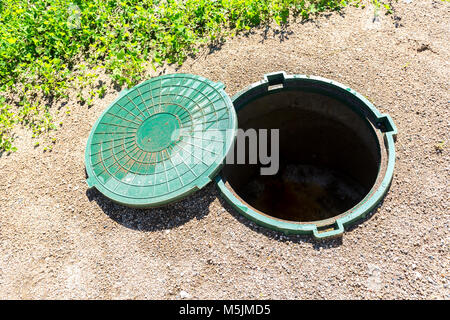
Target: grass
{"points": [[51, 48]]}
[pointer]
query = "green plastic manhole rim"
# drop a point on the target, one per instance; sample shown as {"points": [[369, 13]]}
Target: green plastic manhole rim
{"points": [[161, 140], [279, 81]]}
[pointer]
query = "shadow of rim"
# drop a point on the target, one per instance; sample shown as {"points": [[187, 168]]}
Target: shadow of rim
{"points": [[166, 217]]}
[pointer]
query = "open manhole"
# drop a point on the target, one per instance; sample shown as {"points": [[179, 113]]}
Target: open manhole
{"points": [[168, 137], [336, 156]]}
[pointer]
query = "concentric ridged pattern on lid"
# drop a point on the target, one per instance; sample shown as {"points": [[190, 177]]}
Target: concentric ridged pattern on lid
{"points": [[161, 140]]}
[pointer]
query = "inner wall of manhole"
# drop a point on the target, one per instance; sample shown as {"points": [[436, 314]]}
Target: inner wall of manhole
{"points": [[329, 157]]}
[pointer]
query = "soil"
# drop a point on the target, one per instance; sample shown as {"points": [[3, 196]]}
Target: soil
{"points": [[59, 240]]}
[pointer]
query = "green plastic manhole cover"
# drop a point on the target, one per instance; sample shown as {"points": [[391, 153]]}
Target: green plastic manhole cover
{"points": [[161, 140]]}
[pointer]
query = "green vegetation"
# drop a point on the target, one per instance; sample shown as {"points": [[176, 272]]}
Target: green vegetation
{"points": [[50, 48]]}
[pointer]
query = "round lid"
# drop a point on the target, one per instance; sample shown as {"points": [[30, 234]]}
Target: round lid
{"points": [[161, 140]]}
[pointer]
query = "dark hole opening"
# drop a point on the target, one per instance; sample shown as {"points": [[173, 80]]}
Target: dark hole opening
{"points": [[329, 157]]}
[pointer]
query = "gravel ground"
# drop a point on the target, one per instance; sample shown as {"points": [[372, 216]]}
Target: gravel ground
{"points": [[60, 240]]}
